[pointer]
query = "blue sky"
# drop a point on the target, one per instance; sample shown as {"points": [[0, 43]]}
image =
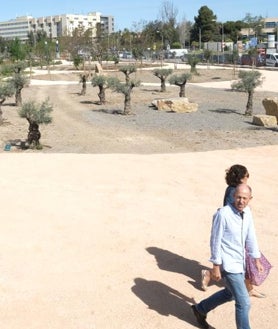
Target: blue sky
{"points": [[127, 13]]}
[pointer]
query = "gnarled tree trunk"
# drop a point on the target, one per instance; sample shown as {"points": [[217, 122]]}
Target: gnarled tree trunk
{"points": [[249, 106], [34, 134]]}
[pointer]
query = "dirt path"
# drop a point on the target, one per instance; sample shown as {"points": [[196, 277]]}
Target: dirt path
{"points": [[80, 125]]}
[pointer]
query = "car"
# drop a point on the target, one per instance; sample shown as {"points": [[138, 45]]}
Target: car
{"points": [[271, 59], [246, 59]]}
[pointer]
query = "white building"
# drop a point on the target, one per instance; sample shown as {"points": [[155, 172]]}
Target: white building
{"points": [[55, 26]]}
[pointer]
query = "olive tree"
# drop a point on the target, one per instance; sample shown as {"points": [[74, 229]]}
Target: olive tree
{"points": [[248, 82], [19, 80], [6, 90], [36, 114], [180, 80], [125, 89], [193, 61], [162, 74], [127, 70], [83, 80], [102, 82]]}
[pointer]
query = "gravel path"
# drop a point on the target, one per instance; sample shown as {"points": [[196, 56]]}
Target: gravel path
{"points": [[80, 125]]}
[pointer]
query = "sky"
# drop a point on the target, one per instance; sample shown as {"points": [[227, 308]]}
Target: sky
{"points": [[130, 14]]}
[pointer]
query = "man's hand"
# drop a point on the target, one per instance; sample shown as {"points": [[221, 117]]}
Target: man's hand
{"points": [[259, 265], [216, 273]]}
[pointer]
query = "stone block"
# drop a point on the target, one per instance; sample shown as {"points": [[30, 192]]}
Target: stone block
{"points": [[264, 120], [271, 106], [178, 105]]}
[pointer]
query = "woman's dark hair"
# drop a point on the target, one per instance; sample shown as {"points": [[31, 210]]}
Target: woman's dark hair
{"points": [[235, 174]]}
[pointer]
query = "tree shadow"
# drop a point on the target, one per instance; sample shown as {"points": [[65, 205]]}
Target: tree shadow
{"points": [[226, 111], [90, 102], [164, 299], [168, 261]]}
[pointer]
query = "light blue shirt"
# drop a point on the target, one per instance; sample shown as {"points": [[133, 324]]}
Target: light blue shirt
{"points": [[230, 236]]}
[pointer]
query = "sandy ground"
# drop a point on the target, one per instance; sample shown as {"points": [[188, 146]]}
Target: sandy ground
{"points": [[94, 241]]}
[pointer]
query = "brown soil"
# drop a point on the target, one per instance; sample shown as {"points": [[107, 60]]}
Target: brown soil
{"points": [[75, 130]]}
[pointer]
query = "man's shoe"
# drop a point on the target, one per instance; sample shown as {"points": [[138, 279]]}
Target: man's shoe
{"points": [[201, 319]]}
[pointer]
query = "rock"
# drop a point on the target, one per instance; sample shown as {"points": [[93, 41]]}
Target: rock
{"points": [[178, 105], [271, 106], [265, 120], [98, 69]]}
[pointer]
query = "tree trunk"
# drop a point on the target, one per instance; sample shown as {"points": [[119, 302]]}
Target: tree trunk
{"points": [[18, 97], [34, 134], [127, 104], [1, 112], [101, 95], [84, 87], [182, 90], [163, 85], [249, 106]]}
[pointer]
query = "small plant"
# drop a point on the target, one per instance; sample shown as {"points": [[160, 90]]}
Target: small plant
{"points": [[249, 81], [180, 80], [36, 114], [162, 74]]}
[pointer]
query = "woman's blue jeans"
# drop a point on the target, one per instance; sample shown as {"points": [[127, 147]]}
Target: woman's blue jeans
{"points": [[235, 290]]}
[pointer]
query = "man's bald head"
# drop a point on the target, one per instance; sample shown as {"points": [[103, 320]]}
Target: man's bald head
{"points": [[242, 196]]}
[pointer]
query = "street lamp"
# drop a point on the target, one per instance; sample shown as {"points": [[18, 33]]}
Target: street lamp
{"points": [[162, 39], [57, 49], [222, 37], [47, 55], [200, 38]]}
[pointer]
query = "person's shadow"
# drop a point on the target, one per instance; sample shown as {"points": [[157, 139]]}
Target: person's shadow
{"points": [[164, 300], [168, 261]]}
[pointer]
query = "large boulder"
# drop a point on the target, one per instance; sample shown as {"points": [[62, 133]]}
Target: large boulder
{"points": [[271, 106], [265, 120], [177, 104]]}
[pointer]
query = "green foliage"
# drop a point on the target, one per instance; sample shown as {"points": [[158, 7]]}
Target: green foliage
{"points": [[6, 90], [179, 79], [162, 73], [205, 25], [128, 69], [99, 80], [207, 54], [249, 80], [36, 112], [77, 60], [193, 61], [17, 50], [123, 88], [176, 45]]}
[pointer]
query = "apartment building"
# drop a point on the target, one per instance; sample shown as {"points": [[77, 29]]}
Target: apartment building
{"points": [[266, 27], [55, 26]]}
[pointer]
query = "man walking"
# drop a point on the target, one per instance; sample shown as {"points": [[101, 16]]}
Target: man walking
{"points": [[232, 233]]}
